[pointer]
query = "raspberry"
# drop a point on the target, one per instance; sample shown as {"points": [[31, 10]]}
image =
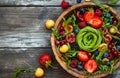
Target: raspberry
{"points": [[98, 12], [64, 4], [82, 24], [73, 63]]}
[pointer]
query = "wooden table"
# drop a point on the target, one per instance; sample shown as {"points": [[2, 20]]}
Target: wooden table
{"points": [[23, 36]]}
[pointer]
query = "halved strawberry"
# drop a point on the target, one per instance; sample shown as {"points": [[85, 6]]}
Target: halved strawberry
{"points": [[88, 15], [90, 66], [82, 56], [96, 22]]}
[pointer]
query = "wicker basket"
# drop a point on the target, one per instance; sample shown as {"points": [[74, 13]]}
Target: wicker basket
{"points": [[58, 56]]}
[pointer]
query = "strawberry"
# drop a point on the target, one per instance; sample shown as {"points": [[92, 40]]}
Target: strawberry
{"points": [[45, 60], [90, 66], [88, 15], [64, 4], [96, 22], [82, 56]]}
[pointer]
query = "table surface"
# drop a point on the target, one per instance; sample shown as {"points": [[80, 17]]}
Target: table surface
{"points": [[23, 36]]}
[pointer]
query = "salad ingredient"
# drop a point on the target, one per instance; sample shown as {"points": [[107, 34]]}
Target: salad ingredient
{"points": [[73, 63], [76, 30], [45, 60], [79, 16], [108, 15], [96, 22], [70, 38], [98, 12], [57, 42], [105, 60], [78, 1], [96, 53], [61, 30], [89, 39], [88, 15], [80, 66], [39, 72], [49, 24], [82, 10], [108, 63], [103, 47], [64, 4], [105, 55], [82, 24], [64, 48], [69, 28], [19, 71], [107, 38], [118, 47], [90, 66], [113, 30], [82, 56]]}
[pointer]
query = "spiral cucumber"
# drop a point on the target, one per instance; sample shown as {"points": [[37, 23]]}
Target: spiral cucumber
{"points": [[89, 39]]}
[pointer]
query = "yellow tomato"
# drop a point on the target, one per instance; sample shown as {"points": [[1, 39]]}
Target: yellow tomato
{"points": [[69, 28], [113, 30], [64, 48], [105, 60], [103, 47], [39, 72], [49, 24]]}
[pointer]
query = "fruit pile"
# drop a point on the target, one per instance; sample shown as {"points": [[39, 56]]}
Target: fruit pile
{"points": [[89, 39]]}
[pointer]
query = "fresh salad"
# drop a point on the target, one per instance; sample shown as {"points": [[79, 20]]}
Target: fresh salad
{"points": [[89, 39]]}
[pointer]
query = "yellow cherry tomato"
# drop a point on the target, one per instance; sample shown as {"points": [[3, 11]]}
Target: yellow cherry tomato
{"points": [[64, 48], [113, 30], [69, 28], [105, 60], [103, 47], [39, 72], [49, 24]]}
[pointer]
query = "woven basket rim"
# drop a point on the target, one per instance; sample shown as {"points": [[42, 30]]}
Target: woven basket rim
{"points": [[57, 54]]}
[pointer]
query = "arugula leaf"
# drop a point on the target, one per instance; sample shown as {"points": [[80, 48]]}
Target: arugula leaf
{"points": [[99, 57], [19, 71], [112, 2], [55, 32]]}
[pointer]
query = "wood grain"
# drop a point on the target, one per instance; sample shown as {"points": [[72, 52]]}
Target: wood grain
{"points": [[42, 2], [13, 57], [25, 26]]}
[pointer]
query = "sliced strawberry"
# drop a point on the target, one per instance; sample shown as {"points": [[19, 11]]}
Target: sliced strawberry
{"points": [[88, 15], [96, 22], [82, 56], [90, 66]]}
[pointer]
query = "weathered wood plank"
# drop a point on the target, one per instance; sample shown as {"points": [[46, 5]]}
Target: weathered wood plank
{"points": [[42, 2], [10, 58], [25, 26]]}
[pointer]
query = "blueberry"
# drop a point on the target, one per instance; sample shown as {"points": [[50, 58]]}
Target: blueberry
{"points": [[79, 1], [76, 30], [110, 21], [96, 53], [108, 63], [106, 54], [108, 15], [80, 67], [118, 47], [82, 10]]}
